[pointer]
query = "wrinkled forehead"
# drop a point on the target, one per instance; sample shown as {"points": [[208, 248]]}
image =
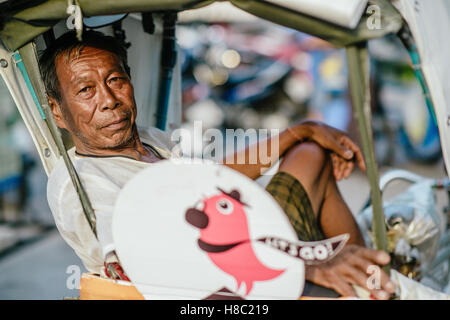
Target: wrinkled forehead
{"points": [[85, 57], [76, 52]]}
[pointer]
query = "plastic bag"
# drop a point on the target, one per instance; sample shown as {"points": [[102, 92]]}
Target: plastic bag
{"points": [[408, 289], [414, 228]]}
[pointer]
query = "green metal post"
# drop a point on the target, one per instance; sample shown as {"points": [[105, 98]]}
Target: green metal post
{"points": [[359, 74]]}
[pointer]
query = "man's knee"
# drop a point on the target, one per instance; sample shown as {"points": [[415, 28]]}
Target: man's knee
{"points": [[310, 164], [307, 159]]}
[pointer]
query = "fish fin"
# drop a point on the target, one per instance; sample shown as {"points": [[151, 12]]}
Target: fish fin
{"points": [[239, 282], [248, 287]]}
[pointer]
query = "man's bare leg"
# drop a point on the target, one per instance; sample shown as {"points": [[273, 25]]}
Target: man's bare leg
{"points": [[311, 165]]}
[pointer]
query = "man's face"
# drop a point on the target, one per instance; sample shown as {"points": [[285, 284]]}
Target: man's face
{"points": [[97, 101]]}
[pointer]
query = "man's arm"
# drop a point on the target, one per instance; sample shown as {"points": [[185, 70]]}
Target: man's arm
{"points": [[343, 150]]}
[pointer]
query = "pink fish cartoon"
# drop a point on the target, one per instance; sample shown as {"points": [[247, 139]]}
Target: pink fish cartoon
{"points": [[224, 236]]}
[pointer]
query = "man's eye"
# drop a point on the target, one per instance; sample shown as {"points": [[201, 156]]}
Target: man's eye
{"points": [[85, 89], [116, 82], [116, 78]]}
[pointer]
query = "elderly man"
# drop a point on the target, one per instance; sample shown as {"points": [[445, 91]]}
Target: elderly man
{"points": [[91, 96]]}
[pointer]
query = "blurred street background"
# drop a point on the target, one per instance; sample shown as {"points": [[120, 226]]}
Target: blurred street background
{"points": [[240, 75]]}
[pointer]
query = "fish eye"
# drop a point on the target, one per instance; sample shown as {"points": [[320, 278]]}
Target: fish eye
{"points": [[224, 206]]}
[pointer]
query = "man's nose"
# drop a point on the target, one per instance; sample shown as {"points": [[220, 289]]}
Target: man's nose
{"points": [[108, 98], [197, 218]]}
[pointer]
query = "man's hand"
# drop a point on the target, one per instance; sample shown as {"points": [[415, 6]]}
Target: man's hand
{"points": [[349, 267], [344, 152]]}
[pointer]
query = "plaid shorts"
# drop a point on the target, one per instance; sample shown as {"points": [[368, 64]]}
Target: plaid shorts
{"points": [[293, 199]]}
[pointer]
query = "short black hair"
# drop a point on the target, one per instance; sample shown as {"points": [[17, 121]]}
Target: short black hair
{"points": [[67, 44]]}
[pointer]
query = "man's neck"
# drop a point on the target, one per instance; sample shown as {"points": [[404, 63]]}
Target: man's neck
{"points": [[135, 149]]}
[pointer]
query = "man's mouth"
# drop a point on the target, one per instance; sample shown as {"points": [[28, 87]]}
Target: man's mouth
{"points": [[214, 248], [117, 124]]}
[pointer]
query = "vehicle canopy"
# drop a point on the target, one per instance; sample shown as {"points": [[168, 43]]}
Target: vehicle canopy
{"points": [[22, 21], [344, 23]]}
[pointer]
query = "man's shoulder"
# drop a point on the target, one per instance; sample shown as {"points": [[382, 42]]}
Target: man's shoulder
{"points": [[57, 185], [155, 136], [160, 139], [85, 167], [58, 176], [101, 178]]}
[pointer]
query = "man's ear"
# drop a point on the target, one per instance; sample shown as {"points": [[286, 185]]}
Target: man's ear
{"points": [[55, 106]]}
